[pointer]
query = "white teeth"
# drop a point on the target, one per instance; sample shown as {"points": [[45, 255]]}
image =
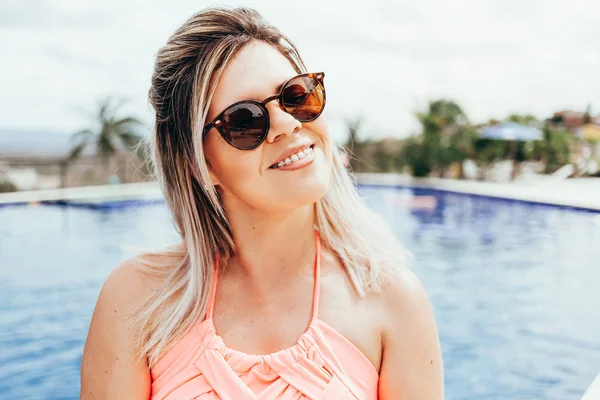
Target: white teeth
{"points": [[298, 156]]}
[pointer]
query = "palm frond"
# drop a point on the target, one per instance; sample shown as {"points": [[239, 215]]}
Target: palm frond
{"points": [[127, 121], [83, 139], [76, 151], [105, 146], [103, 109], [109, 106], [83, 134], [129, 139]]}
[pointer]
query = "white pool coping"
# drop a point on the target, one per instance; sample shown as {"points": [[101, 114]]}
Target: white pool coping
{"points": [[146, 191], [593, 392], [578, 193]]}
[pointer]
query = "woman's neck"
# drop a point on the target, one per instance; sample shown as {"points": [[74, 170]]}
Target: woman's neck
{"points": [[270, 247]]}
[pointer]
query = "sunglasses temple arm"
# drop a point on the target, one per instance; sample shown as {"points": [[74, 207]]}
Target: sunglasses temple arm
{"points": [[206, 129]]}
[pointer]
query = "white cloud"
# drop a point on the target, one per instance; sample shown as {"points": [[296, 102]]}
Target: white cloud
{"points": [[383, 59]]}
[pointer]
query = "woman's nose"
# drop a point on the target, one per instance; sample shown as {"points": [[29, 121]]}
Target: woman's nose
{"points": [[281, 123]]}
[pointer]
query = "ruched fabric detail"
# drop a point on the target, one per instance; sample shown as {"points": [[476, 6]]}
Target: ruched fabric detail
{"points": [[322, 364]]}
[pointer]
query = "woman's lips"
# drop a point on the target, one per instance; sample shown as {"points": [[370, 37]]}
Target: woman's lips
{"points": [[307, 160]]}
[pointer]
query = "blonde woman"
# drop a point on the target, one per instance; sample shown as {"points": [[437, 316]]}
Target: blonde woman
{"points": [[285, 285]]}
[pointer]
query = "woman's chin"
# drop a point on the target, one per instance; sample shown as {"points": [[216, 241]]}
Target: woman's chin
{"points": [[295, 197]]}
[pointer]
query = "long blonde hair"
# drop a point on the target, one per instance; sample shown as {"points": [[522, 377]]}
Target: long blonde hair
{"points": [[186, 73]]}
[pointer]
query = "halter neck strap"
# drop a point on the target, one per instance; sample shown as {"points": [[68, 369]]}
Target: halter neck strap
{"points": [[317, 280], [213, 292], [316, 286]]}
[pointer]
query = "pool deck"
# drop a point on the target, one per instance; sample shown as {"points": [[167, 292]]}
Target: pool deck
{"points": [[593, 392], [572, 193], [144, 192]]}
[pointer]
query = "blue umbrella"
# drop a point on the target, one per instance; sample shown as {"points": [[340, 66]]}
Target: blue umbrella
{"points": [[512, 131]]}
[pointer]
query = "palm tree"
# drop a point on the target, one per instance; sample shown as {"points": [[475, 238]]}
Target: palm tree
{"points": [[109, 133]]}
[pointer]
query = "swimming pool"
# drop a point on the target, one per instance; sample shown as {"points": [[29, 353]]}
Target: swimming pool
{"points": [[514, 288]]}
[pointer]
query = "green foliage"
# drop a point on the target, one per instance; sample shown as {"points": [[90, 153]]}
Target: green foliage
{"points": [[7, 186], [441, 114], [448, 138], [554, 150], [414, 155], [488, 151], [527, 119]]}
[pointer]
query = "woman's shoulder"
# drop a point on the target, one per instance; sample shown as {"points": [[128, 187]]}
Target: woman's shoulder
{"points": [[134, 280], [403, 298], [410, 339], [402, 285], [110, 361], [142, 274], [128, 284]]}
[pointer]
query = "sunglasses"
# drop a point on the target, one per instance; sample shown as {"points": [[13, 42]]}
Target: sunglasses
{"points": [[245, 124]]}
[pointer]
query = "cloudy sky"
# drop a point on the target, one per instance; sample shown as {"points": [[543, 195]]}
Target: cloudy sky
{"points": [[383, 58]]}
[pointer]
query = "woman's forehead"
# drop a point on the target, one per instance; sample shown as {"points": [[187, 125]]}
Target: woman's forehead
{"points": [[253, 74]]}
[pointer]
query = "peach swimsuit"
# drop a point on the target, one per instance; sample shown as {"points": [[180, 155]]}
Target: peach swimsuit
{"points": [[322, 364]]}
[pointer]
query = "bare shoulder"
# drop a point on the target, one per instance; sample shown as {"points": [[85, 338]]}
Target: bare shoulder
{"points": [[109, 367], [412, 361], [130, 275], [404, 292], [126, 287]]}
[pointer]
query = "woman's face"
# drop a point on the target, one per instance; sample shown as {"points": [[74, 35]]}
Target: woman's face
{"points": [[244, 177]]}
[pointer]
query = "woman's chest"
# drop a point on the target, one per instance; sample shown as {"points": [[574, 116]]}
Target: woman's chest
{"points": [[265, 327]]}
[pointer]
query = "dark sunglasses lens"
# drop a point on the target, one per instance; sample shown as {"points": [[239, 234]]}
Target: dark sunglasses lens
{"points": [[304, 98], [245, 125]]}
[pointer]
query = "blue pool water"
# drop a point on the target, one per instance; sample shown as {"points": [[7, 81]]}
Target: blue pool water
{"points": [[514, 287]]}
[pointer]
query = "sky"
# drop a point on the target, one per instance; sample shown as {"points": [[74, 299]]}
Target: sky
{"points": [[383, 59]]}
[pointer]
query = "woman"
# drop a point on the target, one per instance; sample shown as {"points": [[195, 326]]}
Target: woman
{"points": [[285, 285]]}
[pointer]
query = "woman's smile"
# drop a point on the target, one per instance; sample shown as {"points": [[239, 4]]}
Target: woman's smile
{"points": [[296, 161]]}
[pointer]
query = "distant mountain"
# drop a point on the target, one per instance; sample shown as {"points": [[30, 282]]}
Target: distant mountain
{"points": [[36, 144]]}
